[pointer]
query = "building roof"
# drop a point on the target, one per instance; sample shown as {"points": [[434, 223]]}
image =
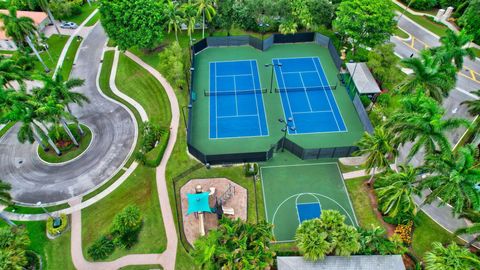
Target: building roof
{"points": [[363, 78], [360, 262], [37, 17]]}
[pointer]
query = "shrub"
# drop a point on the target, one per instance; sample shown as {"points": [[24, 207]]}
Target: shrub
{"points": [[365, 101], [251, 169], [126, 226], [102, 248], [405, 232], [56, 231], [173, 61], [423, 4], [64, 9], [154, 157], [152, 137]]}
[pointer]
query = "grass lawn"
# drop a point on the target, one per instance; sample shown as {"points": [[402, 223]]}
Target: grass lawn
{"points": [[180, 161], [35, 210], [400, 33], [434, 27], [350, 168], [139, 189], [426, 232], [67, 65], [6, 128], [86, 11], [55, 253], [55, 47], [477, 52], [361, 202], [137, 83], [93, 20], [142, 267], [74, 152]]}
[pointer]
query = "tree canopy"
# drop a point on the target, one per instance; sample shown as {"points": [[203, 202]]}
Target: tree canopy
{"points": [[133, 23], [366, 22]]}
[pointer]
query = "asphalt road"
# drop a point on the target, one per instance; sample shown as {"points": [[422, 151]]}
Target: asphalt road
{"points": [[113, 128], [466, 83]]}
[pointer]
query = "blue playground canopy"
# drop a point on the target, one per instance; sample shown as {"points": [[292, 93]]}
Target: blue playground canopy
{"points": [[198, 203]]}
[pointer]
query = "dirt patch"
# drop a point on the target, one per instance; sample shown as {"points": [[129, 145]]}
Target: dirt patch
{"points": [[237, 202], [373, 201]]}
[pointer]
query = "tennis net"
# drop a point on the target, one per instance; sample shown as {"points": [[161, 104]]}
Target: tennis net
{"points": [[238, 92], [307, 89]]}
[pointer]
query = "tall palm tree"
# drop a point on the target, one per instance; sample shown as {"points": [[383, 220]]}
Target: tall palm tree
{"points": [[21, 30], [453, 177], [174, 17], [473, 229], [396, 194], [450, 257], [206, 8], [434, 79], [5, 199], [190, 17], [379, 148], [45, 6], [473, 105], [454, 48], [420, 120], [11, 71], [62, 91]]}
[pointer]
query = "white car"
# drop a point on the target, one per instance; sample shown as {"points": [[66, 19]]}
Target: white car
{"points": [[68, 25]]}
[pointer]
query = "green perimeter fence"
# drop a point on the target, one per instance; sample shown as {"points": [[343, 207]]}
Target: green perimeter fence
{"points": [[284, 143]]}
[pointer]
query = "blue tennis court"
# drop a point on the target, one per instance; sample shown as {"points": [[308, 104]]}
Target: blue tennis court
{"points": [[307, 96], [236, 101], [308, 211]]}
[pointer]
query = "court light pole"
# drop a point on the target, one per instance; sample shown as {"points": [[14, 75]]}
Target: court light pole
{"points": [[189, 106], [285, 129], [271, 77], [263, 28], [56, 220]]}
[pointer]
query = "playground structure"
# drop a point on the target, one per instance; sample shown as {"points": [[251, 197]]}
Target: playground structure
{"points": [[205, 201]]}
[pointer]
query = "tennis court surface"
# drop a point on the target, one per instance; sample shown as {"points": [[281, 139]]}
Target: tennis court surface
{"points": [[236, 101], [299, 192], [307, 96]]}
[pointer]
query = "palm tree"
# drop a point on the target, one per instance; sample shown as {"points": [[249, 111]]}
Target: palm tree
{"points": [[206, 8], [174, 17], [62, 91], [453, 177], [10, 71], [473, 229], [328, 234], [190, 13], [473, 105], [420, 120], [396, 194], [21, 29], [450, 257], [454, 48], [379, 148], [5, 199], [429, 76]]}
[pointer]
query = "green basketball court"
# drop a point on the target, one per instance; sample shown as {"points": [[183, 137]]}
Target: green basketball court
{"points": [[301, 191]]}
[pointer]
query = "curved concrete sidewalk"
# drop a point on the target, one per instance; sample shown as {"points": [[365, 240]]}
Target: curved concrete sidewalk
{"points": [[168, 257]]}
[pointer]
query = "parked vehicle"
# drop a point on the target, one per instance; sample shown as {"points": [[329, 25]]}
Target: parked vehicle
{"points": [[68, 25]]}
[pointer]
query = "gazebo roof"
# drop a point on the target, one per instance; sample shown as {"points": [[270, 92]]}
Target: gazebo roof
{"points": [[198, 202], [363, 78]]}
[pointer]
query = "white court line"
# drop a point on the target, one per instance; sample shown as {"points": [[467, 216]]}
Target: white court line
{"points": [[312, 112], [288, 99], [305, 90], [294, 72], [233, 75], [235, 90], [263, 101], [256, 100], [336, 103], [238, 115], [325, 93]]}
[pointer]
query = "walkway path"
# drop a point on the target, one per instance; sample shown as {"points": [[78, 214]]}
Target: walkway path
{"points": [[168, 257], [442, 215]]}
